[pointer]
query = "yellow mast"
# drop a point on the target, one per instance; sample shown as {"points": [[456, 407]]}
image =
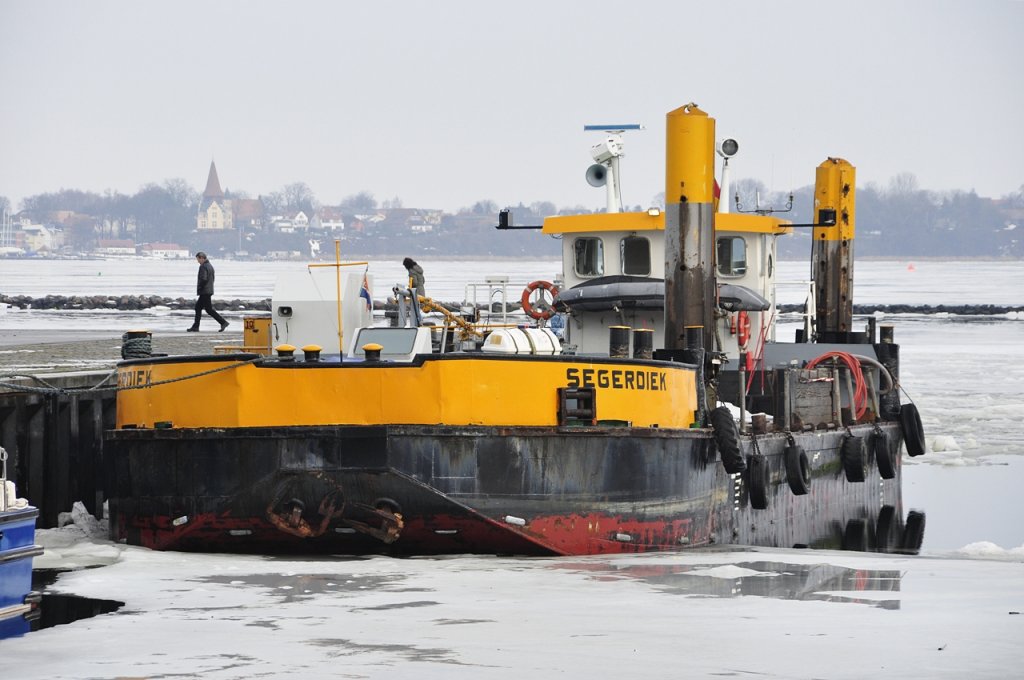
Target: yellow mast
{"points": [[832, 252], [689, 220], [338, 264]]}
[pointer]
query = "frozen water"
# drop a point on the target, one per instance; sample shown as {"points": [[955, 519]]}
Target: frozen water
{"points": [[775, 613], [953, 612]]}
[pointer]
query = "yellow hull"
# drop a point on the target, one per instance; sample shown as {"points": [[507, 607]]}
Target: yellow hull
{"points": [[238, 391]]}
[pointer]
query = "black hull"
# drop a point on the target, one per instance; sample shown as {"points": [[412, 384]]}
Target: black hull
{"points": [[517, 490]]}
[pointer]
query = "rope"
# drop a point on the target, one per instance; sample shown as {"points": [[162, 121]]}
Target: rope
{"points": [[50, 389], [136, 348]]}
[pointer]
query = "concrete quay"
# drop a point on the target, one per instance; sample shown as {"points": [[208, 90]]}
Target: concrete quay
{"points": [[36, 352]]}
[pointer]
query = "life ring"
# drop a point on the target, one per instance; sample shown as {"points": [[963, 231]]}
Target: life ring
{"points": [[727, 439], [525, 300], [798, 469], [742, 328], [854, 455], [759, 479], [913, 430]]}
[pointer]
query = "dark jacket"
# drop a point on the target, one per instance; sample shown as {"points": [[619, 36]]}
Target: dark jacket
{"points": [[416, 279], [204, 286]]}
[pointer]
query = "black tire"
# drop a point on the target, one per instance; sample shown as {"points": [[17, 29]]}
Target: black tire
{"points": [[727, 439], [913, 430], [883, 455], [758, 480], [798, 470], [913, 532], [855, 458], [855, 535], [887, 536]]}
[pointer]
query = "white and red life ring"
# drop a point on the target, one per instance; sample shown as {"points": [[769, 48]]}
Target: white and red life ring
{"points": [[742, 328], [528, 306]]}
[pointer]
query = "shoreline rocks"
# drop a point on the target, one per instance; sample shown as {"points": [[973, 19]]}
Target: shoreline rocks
{"points": [[125, 302], [136, 302]]}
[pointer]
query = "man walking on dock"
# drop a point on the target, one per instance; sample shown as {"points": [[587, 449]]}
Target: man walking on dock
{"points": [[204, 289]]}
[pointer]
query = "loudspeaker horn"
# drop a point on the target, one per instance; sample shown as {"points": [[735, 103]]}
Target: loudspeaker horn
{"points": [[597, 175]]}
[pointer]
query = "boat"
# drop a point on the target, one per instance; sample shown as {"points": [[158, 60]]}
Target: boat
{"points": [[19, 604], [664, 413]]}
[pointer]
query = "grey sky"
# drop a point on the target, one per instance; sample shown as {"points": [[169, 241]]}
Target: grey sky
{"points": [[446, 103]]}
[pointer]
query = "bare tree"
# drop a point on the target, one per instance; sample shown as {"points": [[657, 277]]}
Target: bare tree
{"points": [[181, 192], [484, 207], [903, 184], [298, 196], [543, 208], [361, 202], [273, 202]]}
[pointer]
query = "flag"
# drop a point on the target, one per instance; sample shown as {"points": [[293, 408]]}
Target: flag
{"points": [[364, 292]]}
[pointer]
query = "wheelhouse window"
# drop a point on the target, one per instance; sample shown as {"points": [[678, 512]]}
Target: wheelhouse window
{"points": [[732, 256], [635, 254], [589, 256]]}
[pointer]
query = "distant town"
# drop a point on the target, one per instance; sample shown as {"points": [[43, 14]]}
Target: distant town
{"points": [[173, 220]]}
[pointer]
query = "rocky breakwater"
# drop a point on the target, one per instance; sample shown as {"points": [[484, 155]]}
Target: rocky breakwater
{"points": [[125, 302], [135, 302], [964, 310]]}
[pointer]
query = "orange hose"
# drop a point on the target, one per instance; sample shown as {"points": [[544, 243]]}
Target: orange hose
{"points": [[860, 391]]}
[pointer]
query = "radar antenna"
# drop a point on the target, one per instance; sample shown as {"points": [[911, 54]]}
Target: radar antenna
{"points": [[605, 171]]}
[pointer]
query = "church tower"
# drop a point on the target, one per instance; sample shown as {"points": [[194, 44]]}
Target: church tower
{"points": [[214, 209]]}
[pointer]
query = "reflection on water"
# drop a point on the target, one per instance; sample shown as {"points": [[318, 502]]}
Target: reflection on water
{"points": [[887, 534], [754, 578], [295, 587], [968, 503], [780, 580], [54, 609]]}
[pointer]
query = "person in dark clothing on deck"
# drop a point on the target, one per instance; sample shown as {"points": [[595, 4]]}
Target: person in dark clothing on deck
{"points": [[416, 279], [204, 289]]}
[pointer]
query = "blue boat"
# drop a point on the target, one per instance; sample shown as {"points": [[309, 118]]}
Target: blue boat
{"points": [[19, 605]]}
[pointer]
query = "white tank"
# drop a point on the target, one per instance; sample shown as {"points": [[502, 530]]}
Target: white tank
{"points": [[522, 341]]}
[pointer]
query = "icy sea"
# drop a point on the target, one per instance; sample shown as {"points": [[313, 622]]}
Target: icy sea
{"points": [[954, 611]]}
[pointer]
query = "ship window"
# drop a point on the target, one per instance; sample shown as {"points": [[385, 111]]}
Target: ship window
{"points": [[732, 256], [393, 340], [589, 253], [635, 252]]}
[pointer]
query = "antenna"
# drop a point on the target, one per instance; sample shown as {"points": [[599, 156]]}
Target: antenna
{"points": [[605, 171], [614, 129], [767, 210]]}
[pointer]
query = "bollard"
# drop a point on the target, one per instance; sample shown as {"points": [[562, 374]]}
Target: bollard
{"points": [[285, 352], [311, 353], [618, 341], [372, 351], [137, 345], [643, 343]]}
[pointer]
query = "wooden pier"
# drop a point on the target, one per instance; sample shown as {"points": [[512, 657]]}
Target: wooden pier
{"points": [[52, 430]]}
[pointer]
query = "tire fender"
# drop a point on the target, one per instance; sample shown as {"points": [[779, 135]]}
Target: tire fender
{"points": [[855, 458], [913, 430], [758, 480], [727, 439], [798, 470], [883, 455]]}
